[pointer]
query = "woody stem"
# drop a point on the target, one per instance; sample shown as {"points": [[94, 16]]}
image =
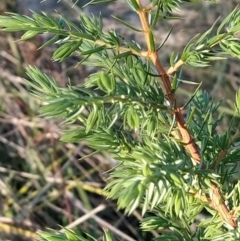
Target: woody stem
{"points": [[217, 201]]}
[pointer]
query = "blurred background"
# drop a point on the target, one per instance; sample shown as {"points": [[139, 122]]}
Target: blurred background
{"points": [[47, 183]]}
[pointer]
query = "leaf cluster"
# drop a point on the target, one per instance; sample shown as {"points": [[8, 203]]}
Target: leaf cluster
{"points": [[202, 49], [70, 235]]}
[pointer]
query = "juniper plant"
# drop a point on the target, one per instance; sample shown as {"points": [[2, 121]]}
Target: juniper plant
{"points": [[170, 165]]}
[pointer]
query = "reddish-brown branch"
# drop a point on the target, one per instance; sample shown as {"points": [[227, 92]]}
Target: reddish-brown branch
{"points": [[221, 155], [216, 201]]}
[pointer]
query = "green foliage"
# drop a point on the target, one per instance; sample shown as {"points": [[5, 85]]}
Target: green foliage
{"points": [[203, 49], [122, 109], [70, 235]]}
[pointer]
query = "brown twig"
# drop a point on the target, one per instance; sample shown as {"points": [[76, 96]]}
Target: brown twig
{"points": [[216, 201], [221, 155]]}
